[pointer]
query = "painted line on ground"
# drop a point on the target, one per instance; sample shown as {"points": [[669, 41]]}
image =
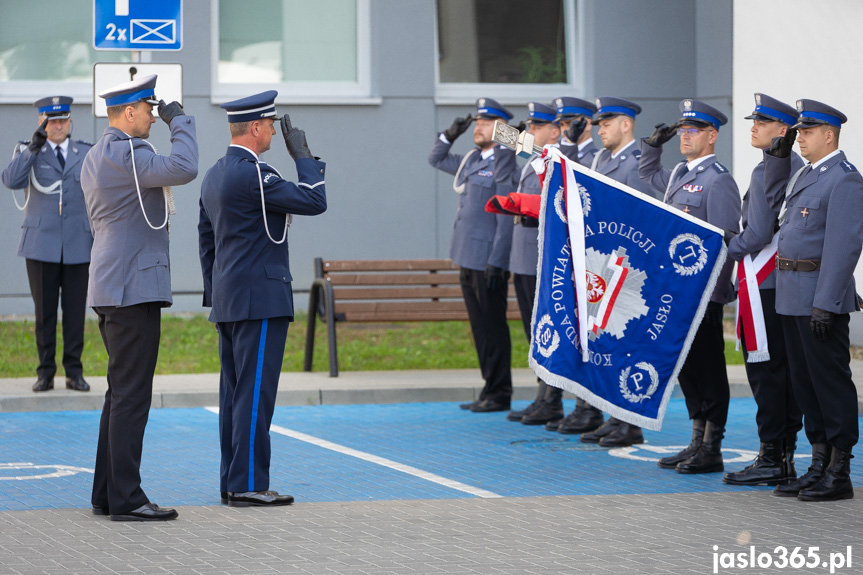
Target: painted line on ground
{"points": [[382, 461]]}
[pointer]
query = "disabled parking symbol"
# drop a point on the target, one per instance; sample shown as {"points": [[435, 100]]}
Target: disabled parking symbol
{"points": [[647, 452], [27, 471]]}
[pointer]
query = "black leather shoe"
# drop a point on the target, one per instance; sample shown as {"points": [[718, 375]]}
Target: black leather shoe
{"points": [[546, 412], [147, 512], [468, 405], [43, 384], [489, 405], [767, 469], [257, 498], [584, 419], [99, 510], [601, 431], [624, 436], [835, 484], [671, 461], [708, 458], [820, 460], [224, 498], [518, 415], [554, 425], [77, 383]]}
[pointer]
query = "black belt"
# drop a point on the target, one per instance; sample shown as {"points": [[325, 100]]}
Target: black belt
{"points": [[797, 265], [527, 221]]}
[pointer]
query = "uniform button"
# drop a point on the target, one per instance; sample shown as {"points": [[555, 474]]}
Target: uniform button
{"points": [[284, 279], [322, 171]]}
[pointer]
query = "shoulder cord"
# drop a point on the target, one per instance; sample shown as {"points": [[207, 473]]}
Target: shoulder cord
{"points": [[264, 211], [53, 189], [788, 189], [596, 159], [459, 188], [671, 179], [166, 191]]}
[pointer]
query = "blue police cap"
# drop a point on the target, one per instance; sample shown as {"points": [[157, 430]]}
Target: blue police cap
{"points": [[812, 113], [769, 109], [610, 107], [697, 113], [55, 107], [140, 90], [570, 108], [488, 108], [251, 108], [539, 113]]}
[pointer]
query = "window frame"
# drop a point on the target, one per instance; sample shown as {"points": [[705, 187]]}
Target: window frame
{"points": [[316, 93], [453, 93]]}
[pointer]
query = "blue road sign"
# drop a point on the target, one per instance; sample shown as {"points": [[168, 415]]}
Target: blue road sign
{"points": [[137, 24]]}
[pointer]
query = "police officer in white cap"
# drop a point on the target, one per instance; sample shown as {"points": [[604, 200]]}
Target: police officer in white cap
{"points": [[704, 188], [820, 241], [127, 191], [56, 238]]}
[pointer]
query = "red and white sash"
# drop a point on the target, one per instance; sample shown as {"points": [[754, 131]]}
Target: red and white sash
{"points": [[750, 315]]}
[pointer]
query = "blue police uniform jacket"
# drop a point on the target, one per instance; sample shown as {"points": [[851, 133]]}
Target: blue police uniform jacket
{"points": [[524, 257], [761, 205], [479, 238], [708, 192], [246, 275], [822, 222], [624, 168], [130, 261], [47, 234], [584, 156]]}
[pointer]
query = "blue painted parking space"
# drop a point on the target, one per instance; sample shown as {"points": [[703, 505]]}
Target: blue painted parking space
{"points": [[414, 451]]}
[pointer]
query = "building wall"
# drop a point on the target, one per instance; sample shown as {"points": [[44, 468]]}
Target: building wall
{"points": [[385, 201]]}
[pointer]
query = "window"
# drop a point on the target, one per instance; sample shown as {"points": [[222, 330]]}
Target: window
{"points": [[525, 49], [52, 53], [314, 49]]}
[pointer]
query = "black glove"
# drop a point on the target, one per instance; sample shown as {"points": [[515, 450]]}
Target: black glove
{"points": [[820, 323], [661, 134], [170, 111], [575, 130], [727, 236], [521, 126], [295, 140], [459, 127], [495, 277], [40, 136], [781, 147]]}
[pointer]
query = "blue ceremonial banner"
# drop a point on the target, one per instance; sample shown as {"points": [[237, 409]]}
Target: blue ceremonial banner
{"points": [[648, 272]]}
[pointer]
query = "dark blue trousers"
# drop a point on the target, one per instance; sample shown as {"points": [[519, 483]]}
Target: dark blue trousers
{"points": [[251, 356]]}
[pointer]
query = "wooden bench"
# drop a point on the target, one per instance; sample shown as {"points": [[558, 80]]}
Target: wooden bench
{"points": [[384, 291]]}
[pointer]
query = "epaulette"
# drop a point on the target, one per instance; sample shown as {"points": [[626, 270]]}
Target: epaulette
{"points": [[636, 153], [719, 168], [847, 166], [85, 143]]}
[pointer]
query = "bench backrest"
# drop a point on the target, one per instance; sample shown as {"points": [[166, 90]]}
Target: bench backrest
{"points": [[398, 290]]}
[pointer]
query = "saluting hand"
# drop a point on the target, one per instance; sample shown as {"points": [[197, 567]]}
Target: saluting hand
{"points": [[40, 136], [661, 134], [170, 111], [458, 127], [576, 129], [295, 140], [781, 146]]}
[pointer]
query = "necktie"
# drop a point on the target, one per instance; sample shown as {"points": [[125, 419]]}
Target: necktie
{"points": [[682, 172], [60, 158]]}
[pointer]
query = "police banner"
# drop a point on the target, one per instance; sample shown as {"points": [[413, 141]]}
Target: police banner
{"points": [[623, 281]]}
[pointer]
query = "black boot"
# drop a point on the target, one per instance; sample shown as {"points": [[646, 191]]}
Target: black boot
{"points": [[537, 403], [584, 419], [603, 430], [708, 458], [624, 435], [820, 459], [835, 484], [789, 447], [671, 461], [767, 469], [551, 409]]}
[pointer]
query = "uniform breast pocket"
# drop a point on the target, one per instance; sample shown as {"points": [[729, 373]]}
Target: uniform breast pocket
{"points": [[154, 278], [805, 213], [279, 273], [482, 181], [692, 200]]}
